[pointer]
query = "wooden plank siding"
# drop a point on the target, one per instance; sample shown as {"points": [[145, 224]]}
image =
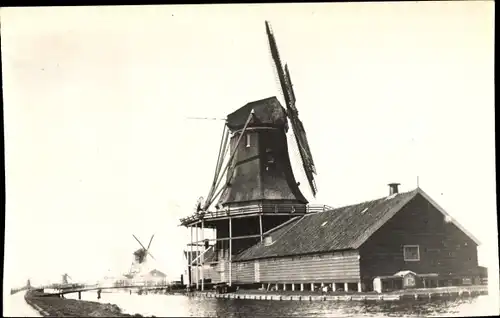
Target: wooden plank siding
{"points": [[209, 272], [444, 249], [316, 268], [243, 272]]}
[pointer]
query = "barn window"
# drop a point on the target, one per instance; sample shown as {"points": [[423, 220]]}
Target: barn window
{"points": [[411, 252], [248, 139]]}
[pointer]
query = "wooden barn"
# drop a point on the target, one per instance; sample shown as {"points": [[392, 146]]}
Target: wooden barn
{"points": [[348, 247]]}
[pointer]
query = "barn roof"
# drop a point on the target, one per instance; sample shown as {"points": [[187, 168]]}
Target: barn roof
{"points": [[338, 229]]}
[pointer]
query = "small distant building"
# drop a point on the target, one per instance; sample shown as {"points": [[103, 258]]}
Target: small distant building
{"points": [[150, 278], [155, 277], [348, 247]]}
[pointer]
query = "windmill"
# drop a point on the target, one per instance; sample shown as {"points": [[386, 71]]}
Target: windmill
{"points": [[65, 277], [140, 257], [292, 112], [254, 117], [254, 188]]}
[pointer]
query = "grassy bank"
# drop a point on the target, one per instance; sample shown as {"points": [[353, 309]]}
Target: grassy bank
{"points": [[53, 306]]}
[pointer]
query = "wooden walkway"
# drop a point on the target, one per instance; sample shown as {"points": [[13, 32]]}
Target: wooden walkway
{"points": [[416, 294], [95, 288]]}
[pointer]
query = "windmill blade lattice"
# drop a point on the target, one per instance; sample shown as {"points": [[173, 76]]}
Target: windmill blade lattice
{"points": [[149, 245], [292, 112], [139, 242]]}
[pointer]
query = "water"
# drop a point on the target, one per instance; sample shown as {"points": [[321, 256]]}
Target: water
{"points": [[183, 306], [16, 306]]}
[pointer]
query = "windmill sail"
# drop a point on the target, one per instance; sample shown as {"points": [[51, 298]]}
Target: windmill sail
{"points": [[292, 112], [299, 125]]}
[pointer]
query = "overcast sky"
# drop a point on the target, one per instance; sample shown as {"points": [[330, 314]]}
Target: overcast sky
{"points": [[98, 146]]}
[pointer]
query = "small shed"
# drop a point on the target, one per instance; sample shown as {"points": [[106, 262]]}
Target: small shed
{"points": [[387, 283], [410, 279]]}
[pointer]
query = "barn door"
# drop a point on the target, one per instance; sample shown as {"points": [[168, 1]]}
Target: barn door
{"points": [[256, 266]]}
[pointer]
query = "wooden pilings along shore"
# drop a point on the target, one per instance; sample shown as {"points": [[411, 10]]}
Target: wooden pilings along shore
{"points": [[420, 294]]}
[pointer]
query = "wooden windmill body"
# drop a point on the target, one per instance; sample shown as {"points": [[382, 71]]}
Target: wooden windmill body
{"points": [[255, 189]]}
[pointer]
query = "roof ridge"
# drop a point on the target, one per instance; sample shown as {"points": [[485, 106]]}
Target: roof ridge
{"points": [[369, 201], [372, 229]]}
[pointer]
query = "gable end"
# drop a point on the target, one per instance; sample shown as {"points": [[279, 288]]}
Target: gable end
{"points": [[443, 212]]}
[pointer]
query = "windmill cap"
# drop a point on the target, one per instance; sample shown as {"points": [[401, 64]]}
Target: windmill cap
{"points": [[266, 112]]}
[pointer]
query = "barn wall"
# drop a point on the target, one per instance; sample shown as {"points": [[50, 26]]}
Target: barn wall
{"points": [[328, 267], [444, 248], [240, 272], [209, 272], [243, 272]]}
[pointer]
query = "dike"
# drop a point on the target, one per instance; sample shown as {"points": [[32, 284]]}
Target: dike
{"points": [[54, 306]]}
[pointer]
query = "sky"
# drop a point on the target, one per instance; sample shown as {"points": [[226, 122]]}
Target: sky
{"points": [[99, 144]]}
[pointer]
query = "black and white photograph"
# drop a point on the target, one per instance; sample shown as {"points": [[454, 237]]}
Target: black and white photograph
{"points": [[250, 160]]}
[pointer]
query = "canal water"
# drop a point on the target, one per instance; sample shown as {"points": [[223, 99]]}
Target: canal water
{"points": [[184, 306], [16, 306]]}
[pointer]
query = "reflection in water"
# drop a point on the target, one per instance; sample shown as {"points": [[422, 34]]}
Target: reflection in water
{"points": [[183, 306]]}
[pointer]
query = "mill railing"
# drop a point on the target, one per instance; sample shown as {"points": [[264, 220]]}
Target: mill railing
{"points": [[266, 208]]}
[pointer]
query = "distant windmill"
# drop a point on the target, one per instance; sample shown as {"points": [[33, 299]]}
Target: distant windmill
{"points": [[140, 257], [65, 277]]}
